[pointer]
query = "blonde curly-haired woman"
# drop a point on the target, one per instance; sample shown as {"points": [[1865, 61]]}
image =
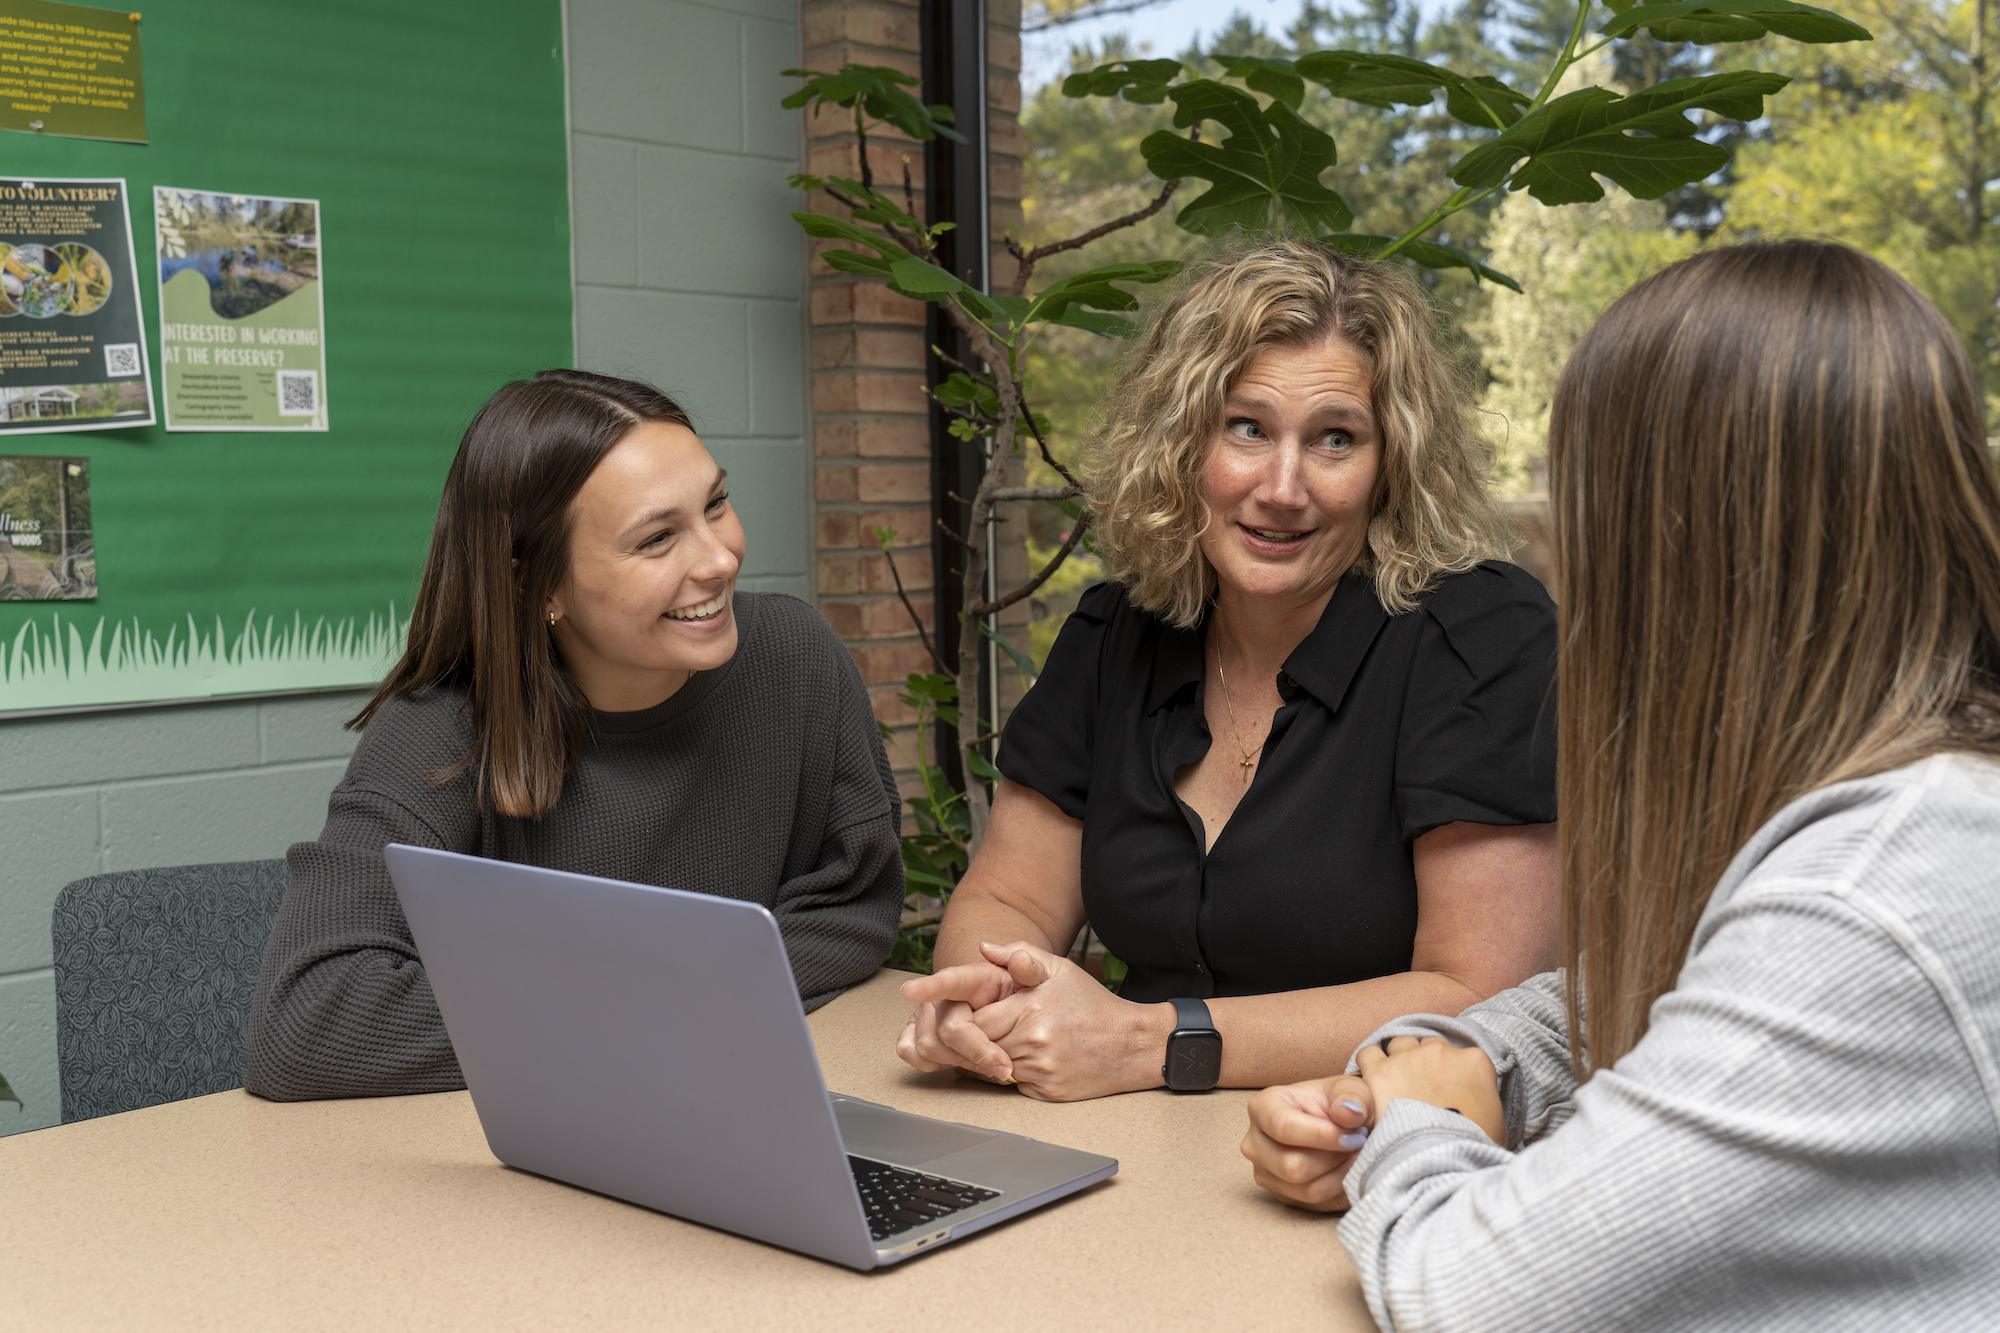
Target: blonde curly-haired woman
{"points": [[1295, 761]]}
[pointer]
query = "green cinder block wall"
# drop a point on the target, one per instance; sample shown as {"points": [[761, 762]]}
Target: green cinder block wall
{"points": [[687, 272], [95, 792], [690, 273]]}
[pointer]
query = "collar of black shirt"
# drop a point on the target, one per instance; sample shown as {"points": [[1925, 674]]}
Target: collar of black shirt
{"points": [[1323, 665]]}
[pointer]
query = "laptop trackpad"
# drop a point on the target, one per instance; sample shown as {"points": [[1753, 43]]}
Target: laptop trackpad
{"points": [[889, 1135]]}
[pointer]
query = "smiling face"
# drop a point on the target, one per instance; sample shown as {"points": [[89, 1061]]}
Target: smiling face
{"points": [[654, 552], [1290, 476]]}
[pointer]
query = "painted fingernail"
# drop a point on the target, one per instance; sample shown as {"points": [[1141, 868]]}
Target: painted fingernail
{"points": [[1352, 1140], [1352, 1106]]}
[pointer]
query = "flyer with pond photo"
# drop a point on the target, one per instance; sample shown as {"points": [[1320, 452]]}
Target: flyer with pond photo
{"points": [[72, 339], [240, 311]]}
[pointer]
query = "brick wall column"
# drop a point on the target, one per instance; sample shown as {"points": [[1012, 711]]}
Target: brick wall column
{"points": [[870, 420]]}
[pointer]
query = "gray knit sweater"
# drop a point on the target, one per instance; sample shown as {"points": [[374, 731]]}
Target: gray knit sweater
{"points": [[1808, 1136], [762, 780]]}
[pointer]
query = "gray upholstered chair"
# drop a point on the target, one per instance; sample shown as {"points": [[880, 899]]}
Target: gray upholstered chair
{"points": [[154, 972]]}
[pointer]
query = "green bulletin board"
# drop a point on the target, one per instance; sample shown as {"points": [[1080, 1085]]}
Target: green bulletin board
{"points": [[432, 136]]}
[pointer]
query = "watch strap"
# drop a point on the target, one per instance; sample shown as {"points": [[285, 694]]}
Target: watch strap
{"points": [[1191, 1015]]}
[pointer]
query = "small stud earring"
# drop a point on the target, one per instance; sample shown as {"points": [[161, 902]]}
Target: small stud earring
{"points": [[552, 620]]}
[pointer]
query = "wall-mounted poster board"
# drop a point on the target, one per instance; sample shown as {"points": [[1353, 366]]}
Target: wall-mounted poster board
{"points": [[430, 141], [72, 330]]}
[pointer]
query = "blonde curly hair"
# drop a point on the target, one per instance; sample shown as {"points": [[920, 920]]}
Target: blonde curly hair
{"points": [[1141, 467]]}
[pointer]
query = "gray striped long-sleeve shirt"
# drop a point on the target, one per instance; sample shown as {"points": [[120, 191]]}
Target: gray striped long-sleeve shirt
{"points": [[1808, 1136]]}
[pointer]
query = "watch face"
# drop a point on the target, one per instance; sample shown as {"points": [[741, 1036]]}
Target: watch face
{"points": [[1194, 1061]]}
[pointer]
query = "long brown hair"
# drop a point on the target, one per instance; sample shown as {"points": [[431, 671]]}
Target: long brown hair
{"points": [[1779, 537], [499, 551]]}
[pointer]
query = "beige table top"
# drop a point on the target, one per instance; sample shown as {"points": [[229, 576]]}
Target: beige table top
{"points": [[232, 1212]]}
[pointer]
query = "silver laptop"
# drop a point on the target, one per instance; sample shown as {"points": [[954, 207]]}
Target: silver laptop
{"points": [[649, 1044]]}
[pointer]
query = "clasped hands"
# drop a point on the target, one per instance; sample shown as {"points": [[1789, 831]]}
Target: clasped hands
{"points": [[1303, 1137], [1026, 1016]]}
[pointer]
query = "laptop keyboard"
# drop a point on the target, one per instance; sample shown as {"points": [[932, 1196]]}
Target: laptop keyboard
{"points": [[896, 1199]]}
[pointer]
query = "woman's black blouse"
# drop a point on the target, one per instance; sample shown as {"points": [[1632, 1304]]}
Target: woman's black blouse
{"points": [[1391, 726]]}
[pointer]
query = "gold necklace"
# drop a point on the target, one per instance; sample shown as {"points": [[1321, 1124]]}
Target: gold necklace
{"points": [[1249, 759]]}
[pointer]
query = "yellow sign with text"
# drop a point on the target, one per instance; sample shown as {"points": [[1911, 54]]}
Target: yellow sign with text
{"points": [[71, 70]]}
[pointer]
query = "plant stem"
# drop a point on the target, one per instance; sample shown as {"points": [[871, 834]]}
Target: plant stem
{"points": [[1465, 196], [923, 635], [1568, 57], [1029, 258], [988, 347], [1595, 47], [1028, 415], [861, 144], [1027, 589]]}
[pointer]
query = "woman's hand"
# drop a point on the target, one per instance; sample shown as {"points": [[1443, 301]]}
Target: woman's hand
{"points": [[1065, 1036], [941, 1033], [1458, 1078], [1303, 1137]]}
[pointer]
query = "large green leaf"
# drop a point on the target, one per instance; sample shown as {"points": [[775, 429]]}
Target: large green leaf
{"points": [[1709, 21], [1431, 254], [877, 207], [840, 229], [1142, 81], [853, 261], [1274, 78], [1096, 321], [937, 688], [1095, 288], [1265, 172], [1645, 142], [961, 390], [1393, 81], [917, 277], [925, 281], [1484, 101], [876, 88]]}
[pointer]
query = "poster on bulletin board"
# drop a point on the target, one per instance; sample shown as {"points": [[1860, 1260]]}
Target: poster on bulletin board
{"points": [[232, 556], [73, 70], [240, 311], [45, 548], [72, 335]]}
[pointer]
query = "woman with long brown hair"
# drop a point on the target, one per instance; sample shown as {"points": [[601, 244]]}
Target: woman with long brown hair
{"points": [[585, 689], [1764, 1092]]}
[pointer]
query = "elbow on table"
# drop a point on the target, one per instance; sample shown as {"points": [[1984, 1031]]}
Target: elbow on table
{"points": [[309, 1048], [281, 1066]]}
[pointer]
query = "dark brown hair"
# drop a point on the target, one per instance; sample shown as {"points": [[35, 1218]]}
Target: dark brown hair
{"points": [[1779, 536], [499, 551]]}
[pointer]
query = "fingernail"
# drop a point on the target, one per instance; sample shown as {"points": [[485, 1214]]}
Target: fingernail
{"points": [[1353, 1139], [1354, 1107]]}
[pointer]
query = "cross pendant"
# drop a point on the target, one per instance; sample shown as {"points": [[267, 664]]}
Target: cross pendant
{"points": [[1247, 765]]}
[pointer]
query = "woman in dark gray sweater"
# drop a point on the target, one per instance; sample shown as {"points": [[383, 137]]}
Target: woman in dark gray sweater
{"points": [[584, 689]]}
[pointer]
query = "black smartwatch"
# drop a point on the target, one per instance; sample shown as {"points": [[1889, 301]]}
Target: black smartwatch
{"points": [[1194, 1049]]}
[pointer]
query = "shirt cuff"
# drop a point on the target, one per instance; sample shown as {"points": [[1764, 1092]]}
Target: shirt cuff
{"points": [[1420, 1026], [1429, 1140]]}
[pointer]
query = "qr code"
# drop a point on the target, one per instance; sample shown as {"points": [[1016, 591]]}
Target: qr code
{"points": [[298, 393], [121, 359]]}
